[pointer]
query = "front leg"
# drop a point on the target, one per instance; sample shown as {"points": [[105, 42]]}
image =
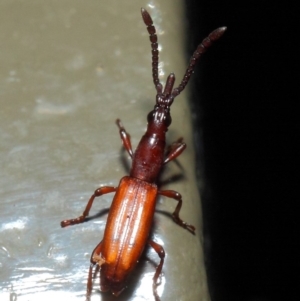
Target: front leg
{"points": [[174, 150], [98, 192], [125, 138]]}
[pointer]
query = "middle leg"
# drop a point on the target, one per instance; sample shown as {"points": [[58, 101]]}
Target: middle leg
{"points": [[177, 196], [98, 192]]}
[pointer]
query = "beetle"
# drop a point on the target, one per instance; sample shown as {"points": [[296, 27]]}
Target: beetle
{"points": [[131, 213]]}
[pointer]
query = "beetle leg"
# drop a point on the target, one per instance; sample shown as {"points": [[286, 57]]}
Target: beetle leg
{"points": [[98, 260], [161, 253], [177, 196], [125, 138], [174, 150], [98, 192]]}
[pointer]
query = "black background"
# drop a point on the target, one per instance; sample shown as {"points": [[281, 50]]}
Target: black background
{"points": [[244, 96]]}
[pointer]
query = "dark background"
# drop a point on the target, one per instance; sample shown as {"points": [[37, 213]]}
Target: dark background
{"points": [[244, 97]]}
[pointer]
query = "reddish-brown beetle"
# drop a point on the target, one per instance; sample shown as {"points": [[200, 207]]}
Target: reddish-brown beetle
{"points": [[131, 213]]}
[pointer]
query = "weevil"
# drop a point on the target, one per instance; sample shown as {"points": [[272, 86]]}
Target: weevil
{"points": [[131, 213]]}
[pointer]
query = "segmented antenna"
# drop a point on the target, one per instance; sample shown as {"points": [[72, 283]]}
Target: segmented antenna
{"points": [[202, 47], [154, 46]]}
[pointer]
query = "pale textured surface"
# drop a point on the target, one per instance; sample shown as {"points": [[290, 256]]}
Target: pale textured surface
{"points": [[68, 70]]}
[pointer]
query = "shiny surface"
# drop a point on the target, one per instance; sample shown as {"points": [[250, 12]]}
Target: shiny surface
{"points": [[68, 70]]}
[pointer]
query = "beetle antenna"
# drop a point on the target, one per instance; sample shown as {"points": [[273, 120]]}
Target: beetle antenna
{"points": [[154, 46], [202, 47]]}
